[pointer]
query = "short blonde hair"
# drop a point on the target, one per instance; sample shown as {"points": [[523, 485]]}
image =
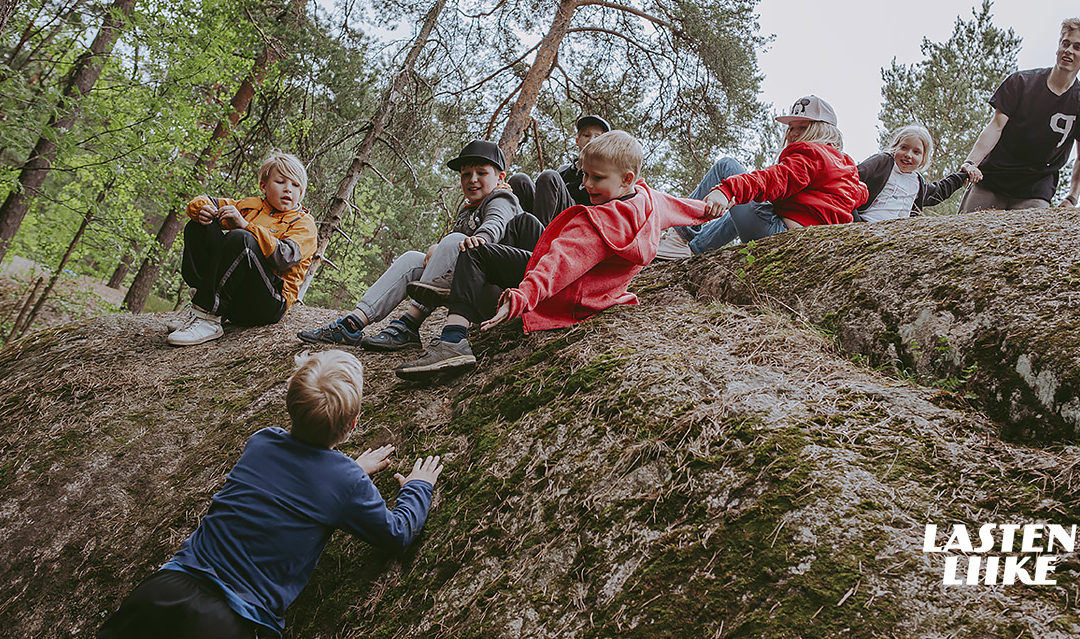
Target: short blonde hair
{"points": [[918, 132], [617, 148], [324, 397], [822, 133], [1069, 25], [288, 165]]}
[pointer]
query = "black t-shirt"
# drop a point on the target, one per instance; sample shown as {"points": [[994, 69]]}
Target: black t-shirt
{"points": [[1036, 140]]}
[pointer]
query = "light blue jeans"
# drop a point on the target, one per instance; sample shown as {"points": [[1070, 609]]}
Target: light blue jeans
{"points": [[751, 221], [389, 290]]}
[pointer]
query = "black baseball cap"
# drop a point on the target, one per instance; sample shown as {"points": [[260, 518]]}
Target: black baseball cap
{"points": [[483, 150], [593, 120]]}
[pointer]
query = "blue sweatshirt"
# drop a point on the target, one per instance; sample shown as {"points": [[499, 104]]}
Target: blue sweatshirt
{"points": [[267, 527]]}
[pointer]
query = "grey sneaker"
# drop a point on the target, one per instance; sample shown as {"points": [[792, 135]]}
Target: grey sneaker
{"points": [[394, 337], [440, 357], [431, 294], [672, 246], [182, 319]]}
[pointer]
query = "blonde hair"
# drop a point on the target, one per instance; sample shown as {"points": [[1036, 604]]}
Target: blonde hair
{"points": [[822, 133], [1068, 25], [918, 132], [617, 148], [288, 165], [324, 397]]}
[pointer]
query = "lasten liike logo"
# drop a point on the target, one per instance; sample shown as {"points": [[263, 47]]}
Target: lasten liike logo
{"points": [[1002, 553]]}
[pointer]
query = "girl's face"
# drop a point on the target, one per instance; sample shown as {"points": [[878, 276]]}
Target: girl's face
{"points": [[908, 154], [794, 130]]}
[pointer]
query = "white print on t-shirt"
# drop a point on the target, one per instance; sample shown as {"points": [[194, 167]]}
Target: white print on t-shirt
{"points": [[1063, 124]]}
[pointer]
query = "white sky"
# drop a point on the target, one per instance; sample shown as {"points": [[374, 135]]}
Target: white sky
{"points": [[835, 49]]}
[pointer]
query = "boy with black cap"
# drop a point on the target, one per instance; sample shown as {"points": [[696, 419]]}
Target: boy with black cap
{"points": [[555, 191], [490, 205]]}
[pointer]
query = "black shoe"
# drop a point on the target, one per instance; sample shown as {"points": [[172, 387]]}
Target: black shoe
{"points": [[394, 337], [430, 294], [440, 357], [345, 331]]}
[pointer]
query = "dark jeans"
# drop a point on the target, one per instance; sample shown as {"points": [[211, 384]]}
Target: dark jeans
{"points": [[175, 605], [230, 276], [546, 198], [502, 265]]}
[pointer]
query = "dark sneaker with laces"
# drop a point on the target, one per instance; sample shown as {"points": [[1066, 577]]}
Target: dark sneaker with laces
{"points": [[431, 294], [440, 357], [346, 331], [394, 337]]}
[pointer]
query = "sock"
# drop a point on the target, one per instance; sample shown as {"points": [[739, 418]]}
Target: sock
{"points": [[412, 323], [351, 324], [453, 334]]}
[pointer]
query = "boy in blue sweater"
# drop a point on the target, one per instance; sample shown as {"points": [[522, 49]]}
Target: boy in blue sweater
{"points": [[257, 546]]}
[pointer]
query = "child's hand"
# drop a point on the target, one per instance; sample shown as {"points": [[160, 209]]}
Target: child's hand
{"points": [[372, 461], [716, 203], [472, 241], [501, 315], [427, 470], [231, 218], [206, 214], [430, 252], [973, 172]]}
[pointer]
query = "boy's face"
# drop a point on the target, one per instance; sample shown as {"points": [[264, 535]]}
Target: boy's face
{"points": [[604, 181], [586, 134], [1068, 53], [282, 193], [478, 181]]}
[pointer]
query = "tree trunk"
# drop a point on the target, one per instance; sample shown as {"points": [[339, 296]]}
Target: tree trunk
{"points": [[170, 228], [83, 75], [389, 102], [543, 63], [121, 271]]}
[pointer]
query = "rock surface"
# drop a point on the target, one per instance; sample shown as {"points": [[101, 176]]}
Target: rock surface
{"points": [[684, 468]]}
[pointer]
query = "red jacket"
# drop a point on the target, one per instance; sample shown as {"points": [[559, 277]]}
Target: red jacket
{"points": [[587, 256], [810, 183]]}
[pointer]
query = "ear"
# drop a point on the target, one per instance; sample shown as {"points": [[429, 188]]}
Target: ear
{"points": [[502, 176], [628, 178]]}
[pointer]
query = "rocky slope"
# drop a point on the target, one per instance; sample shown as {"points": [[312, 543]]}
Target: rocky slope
{"points": [[685, 468]]}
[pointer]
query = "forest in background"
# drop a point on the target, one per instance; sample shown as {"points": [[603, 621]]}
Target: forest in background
{"points": [[113, 115]]}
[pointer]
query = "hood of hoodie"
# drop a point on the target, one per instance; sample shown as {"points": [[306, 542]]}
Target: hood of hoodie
{"points": [[634, 231]]}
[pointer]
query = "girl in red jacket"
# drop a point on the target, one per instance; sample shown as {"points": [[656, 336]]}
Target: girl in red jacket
{"points": [[813, 182]]}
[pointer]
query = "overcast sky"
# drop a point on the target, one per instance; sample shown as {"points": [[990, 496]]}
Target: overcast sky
{"points": [[836, 49]]}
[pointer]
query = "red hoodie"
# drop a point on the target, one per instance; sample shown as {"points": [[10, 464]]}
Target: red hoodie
{"points": [[810, 183], [587, 256]]}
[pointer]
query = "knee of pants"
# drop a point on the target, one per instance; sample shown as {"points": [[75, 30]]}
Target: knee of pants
{"points": [[519, 180], [549, 177], [728, 167], [239, 239], [452, 239], [408, 260]]}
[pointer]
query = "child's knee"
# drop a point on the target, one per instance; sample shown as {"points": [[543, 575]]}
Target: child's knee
{"points": [[548, 177], [452, 239], [240, 239], [728, 167]]}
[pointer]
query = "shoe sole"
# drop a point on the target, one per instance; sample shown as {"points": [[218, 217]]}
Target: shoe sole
{"points": [[204, 340], [428, 295], [388, 348], [420, 373]]}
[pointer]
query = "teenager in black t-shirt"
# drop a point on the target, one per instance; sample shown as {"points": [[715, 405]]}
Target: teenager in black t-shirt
{"points": [[1017, 157]]}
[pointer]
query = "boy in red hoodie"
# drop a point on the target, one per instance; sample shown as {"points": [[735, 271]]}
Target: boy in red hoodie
{"points": [[581, 264]]}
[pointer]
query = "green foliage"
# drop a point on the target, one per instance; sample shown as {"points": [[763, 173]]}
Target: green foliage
{"points": [[947, 91]]}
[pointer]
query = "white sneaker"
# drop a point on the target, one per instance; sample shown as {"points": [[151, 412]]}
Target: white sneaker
{"points": [[182, 319], [203, 328], [672, 246]]}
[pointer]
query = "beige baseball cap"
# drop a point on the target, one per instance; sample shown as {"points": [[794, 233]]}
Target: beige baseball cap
{"points": [[812, 108]]}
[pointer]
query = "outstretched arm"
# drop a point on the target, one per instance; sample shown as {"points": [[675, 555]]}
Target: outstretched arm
{"points": [[985, 143]]}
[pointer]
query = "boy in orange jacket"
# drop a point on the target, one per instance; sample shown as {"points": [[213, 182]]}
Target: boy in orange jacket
{"points": [[581, 264], [246, 258]]}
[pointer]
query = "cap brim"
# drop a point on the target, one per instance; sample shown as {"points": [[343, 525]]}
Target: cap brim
{"points": [[788, 119], [460, 161], [593, 120]]}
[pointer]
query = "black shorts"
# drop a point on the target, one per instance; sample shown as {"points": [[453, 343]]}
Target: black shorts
{"points": [[175, 605]]}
